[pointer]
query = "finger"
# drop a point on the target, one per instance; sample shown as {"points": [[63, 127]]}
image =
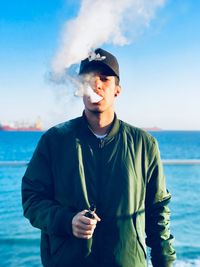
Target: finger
{"points": [[84, 236], [88, 221], [97, 217], [83, 212], [78, 223], [80, 218], [80, 232], [84, 226]]}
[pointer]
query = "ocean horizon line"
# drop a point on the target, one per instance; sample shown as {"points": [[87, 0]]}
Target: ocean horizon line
{"points": [[148, 129]]}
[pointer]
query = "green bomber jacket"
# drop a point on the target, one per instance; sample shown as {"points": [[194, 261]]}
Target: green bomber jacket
{"points": [[121, 174]]}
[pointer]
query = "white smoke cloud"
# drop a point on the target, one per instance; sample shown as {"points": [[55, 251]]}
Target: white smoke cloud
{"points": [[99, 22]]}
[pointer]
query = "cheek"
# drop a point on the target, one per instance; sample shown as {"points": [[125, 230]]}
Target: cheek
{"points": [[85, 99], [112, 92], [110, 97]]}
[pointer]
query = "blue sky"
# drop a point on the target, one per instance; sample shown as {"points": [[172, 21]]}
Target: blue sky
{"points": [[160, 69]]}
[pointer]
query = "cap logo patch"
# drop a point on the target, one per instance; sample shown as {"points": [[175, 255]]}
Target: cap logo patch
{"points": [[93, 56]]}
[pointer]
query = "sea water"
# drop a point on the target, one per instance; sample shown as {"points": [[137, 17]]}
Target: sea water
{"points": [[20, 242]]}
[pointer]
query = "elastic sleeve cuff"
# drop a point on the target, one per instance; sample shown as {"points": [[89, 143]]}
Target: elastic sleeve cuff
{"points": [[61, 222]]}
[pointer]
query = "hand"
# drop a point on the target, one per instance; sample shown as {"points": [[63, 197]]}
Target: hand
{"points": [[82, 226]]}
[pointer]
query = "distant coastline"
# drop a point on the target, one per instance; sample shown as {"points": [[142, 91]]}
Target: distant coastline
{"points": [[152, 129], [36, 126]]}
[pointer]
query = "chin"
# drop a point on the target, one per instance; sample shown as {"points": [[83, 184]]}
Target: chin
{"points": [[96, 110]]}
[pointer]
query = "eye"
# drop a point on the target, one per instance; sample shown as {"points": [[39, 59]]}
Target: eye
{"points": [[104, 78]]}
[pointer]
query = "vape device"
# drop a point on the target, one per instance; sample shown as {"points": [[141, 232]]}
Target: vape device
{"points": [[91, 211]]}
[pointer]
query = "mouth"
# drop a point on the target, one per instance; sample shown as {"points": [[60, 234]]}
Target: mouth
{"points": [[95, 101], [93, 97]]}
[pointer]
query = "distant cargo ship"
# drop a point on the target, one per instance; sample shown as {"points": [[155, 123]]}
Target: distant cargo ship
{"points": [[22, 127]]}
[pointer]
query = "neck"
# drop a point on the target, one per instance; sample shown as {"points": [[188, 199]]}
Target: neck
{"points": [[99, 122]]}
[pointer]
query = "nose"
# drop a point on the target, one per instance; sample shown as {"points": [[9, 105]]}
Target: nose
{"points": [[96, 83]]}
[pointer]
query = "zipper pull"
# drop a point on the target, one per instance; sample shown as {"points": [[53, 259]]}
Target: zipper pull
{"points": [[101, 143]]}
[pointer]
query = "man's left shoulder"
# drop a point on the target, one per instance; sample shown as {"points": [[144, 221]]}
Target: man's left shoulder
{"points": [[137, 133]]}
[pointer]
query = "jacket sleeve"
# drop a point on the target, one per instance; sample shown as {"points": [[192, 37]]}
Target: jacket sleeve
{"points": [[38, 200], [158, 234]]}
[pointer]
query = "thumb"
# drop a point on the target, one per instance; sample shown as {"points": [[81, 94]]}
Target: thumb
{"points": [[97, 217]]}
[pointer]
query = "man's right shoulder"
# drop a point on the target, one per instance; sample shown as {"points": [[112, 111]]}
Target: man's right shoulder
{"points": [[64, 128]]}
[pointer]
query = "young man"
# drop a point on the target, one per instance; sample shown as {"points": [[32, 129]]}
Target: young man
{"points": [[98, 159]]}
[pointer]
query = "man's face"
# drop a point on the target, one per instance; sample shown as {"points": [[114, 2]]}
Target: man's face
{"points": [[103, 85]]}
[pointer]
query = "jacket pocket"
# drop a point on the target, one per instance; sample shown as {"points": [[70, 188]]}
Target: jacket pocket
{"points": [[140, 234], [76, 247], [69, 251]]}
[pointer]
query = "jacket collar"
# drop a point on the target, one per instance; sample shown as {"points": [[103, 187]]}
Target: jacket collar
{"points": [[112, 132]]}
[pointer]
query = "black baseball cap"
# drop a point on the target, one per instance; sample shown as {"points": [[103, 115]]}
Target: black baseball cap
{"points": [[100, 60]]}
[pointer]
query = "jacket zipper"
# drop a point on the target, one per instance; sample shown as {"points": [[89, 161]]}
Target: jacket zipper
{"points": [[100, 174], [101, 143]]}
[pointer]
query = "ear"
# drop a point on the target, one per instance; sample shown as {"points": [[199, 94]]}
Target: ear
{"points": [[117, 90]]}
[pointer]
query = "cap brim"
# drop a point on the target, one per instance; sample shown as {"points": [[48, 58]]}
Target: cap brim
{"points": [[97, 67]]}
